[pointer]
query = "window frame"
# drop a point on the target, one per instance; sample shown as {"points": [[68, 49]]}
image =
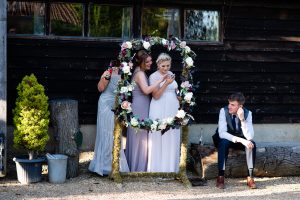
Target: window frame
{"points": [[221, 20], [136, 19], [166, 7]]}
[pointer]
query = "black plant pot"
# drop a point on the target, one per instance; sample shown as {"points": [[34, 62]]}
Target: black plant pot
{"points": [[29, 171]]}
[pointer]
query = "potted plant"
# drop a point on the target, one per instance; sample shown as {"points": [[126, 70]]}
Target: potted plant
{"points": [[31, 121]]}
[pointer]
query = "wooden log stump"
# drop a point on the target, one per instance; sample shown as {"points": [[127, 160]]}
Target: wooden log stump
{"points": [[64, 119], [272, 159]]}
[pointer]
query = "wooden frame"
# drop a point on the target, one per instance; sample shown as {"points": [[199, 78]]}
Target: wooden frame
{"points": [[121, 117], [116, 175]]}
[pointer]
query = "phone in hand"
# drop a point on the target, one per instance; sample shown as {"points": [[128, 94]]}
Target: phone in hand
{"points": [[172, 75]]}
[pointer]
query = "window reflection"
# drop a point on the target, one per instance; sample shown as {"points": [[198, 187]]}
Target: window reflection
{"points": [[201, 25], [161, 22], [66, 19], [110, 21], [25, 18]]}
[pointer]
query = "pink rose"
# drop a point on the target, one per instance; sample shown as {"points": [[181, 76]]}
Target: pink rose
{"points": [[130, 64], [126, 105], [124, 45], [186, 84]]}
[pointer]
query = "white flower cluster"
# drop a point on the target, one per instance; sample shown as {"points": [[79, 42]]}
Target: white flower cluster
{"points": [[128, 88], [189, 62], [146, 45], [188, 97], [186, 49], [134, 122], [126, 68], [126, 45]]}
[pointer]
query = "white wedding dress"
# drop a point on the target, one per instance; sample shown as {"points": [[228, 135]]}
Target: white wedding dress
{"points": [[163, 150]]}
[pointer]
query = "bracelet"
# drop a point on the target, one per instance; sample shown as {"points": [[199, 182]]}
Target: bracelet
{"points": [[107, 77]]}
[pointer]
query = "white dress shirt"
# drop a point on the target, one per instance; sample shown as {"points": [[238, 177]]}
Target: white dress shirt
{"points": [[247, 127]]}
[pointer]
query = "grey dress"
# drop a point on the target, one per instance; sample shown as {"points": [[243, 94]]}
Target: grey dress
{"points": [[137, 141], [101, 162]]}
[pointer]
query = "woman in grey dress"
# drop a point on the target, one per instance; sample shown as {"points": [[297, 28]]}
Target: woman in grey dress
{"points": [[102, 161], [137, 141]]}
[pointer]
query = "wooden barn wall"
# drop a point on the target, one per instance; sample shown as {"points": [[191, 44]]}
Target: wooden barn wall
{"points": [[259, 55]]}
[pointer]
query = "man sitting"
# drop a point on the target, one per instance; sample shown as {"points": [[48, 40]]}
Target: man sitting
{"points": [[235, 130]]}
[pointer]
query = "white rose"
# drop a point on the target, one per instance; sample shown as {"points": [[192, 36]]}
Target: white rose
{"points": [[164, 121], [130, 87], [185, 121], [180, 114], [134, 122], [125, 68], [153, 127], [169, 120], [146, 45], [188, 97], [187, 49], [189, 61], [164, 41], [182, 44], [155, 123], [162, 126], [123, 90], [129, 45]]}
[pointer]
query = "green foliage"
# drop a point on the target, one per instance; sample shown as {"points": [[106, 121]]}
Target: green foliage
{"points": [[31, 116], [106, 21]]}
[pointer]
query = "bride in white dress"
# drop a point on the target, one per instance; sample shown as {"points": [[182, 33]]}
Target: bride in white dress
{"points": [[163, 152]]}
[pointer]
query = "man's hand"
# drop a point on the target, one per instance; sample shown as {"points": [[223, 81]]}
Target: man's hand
{"points": [[246, 143], [240, 114]]}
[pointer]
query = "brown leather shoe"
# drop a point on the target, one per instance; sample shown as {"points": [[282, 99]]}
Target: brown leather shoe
{"points": [[220, 182], [251, 183]]}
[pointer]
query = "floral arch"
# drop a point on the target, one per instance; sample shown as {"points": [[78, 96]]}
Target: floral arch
{"points": [[123, 111]]}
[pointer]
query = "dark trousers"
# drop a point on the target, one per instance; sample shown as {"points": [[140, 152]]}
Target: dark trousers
{"points": [[223, 149]]}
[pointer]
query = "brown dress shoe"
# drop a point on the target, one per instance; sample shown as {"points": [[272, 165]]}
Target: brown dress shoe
{"points": [[251, 183], [220, 182]]}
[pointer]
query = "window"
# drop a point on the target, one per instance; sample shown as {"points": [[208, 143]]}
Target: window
{"points": [[26, 18], [113, 21], [66, 19], [110, 21], [161, 22], [201, 25]]}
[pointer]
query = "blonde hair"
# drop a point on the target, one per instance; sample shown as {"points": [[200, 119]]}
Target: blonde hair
{"points": [[163, 57]]}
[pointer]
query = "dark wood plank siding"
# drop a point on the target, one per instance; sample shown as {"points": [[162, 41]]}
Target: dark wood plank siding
{"points": [[259, 55]]}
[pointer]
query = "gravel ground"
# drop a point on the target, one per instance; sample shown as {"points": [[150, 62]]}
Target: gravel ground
{"points": [[92, 186]]}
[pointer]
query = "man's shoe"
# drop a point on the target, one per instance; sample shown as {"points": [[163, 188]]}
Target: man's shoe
{"points": [[251, 183], [220, 182]]}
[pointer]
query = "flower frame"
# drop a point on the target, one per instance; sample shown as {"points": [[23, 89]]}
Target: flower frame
{"points": [[123, 111]]}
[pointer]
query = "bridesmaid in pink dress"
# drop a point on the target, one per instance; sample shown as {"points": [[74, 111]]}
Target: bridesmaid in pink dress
{"points": [[137, 142]]}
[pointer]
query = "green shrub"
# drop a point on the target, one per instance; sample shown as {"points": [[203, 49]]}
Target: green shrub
{"points": [[31, 117]]}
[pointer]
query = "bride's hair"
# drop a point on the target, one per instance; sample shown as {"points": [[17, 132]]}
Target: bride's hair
{"points": [[140, 57], [163, 57]]}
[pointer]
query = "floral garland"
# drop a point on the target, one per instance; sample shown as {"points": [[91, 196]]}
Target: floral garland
{"points": [[123, 109]]}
